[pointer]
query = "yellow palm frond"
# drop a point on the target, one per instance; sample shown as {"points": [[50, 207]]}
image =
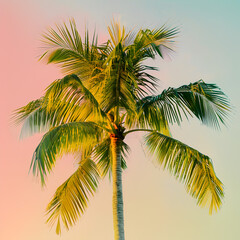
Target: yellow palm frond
{"points": [[188, 165], [71, 91], [71, 198]]}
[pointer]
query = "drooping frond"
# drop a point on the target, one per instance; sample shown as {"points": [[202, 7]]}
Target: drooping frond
{"points": [[35, 118], [102, 153], [22, 113], [66, 138], [43, 116], [206, 101], [71, 91], [71, 198], [191, 167], [66, 100]]}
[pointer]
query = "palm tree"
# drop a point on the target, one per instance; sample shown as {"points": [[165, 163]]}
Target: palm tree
{"points": [[106, 94]]}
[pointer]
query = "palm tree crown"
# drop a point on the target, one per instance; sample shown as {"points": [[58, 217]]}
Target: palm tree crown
{"points": [[107, 93]]}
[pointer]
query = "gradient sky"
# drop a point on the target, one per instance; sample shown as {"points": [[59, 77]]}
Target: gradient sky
{"points": [[156, 206]]}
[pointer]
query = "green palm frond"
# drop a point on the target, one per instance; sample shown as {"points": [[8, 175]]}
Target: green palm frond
{"points": [[39, 121], [66, 48], [20, 114], [118, 84], [191, 167], [35, 118], [71, 198], [114, 95], [103, 156], [206, 101], [44, 116], [66, 138], [149, 43], [147, 118]]}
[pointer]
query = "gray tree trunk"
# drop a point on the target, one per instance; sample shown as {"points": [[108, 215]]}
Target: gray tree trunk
{"points": [[117, 201]]}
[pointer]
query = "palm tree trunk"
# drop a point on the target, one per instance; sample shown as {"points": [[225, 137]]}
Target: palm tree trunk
{"points": [[117, 201]]}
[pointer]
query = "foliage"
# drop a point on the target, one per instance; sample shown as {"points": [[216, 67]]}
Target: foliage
{"points": [[107, 92]]}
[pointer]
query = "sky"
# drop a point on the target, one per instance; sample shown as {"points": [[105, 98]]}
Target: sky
{"points": [[156, 206]]}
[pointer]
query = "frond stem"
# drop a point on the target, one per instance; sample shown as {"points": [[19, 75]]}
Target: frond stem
{"points": [[104, 128], [138, 130]]}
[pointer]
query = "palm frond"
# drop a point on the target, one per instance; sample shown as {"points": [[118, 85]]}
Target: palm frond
{"points": [[66, 100], [118, 83], [66, 48], [191, 167], [147, 118], [66, 138], [116, 33], [43, 116], [206, 101], [131, 57], [71, 198], [114, 95], [71, 91], [20, 114], [126, 77], [35, 118], [147, 43]]}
